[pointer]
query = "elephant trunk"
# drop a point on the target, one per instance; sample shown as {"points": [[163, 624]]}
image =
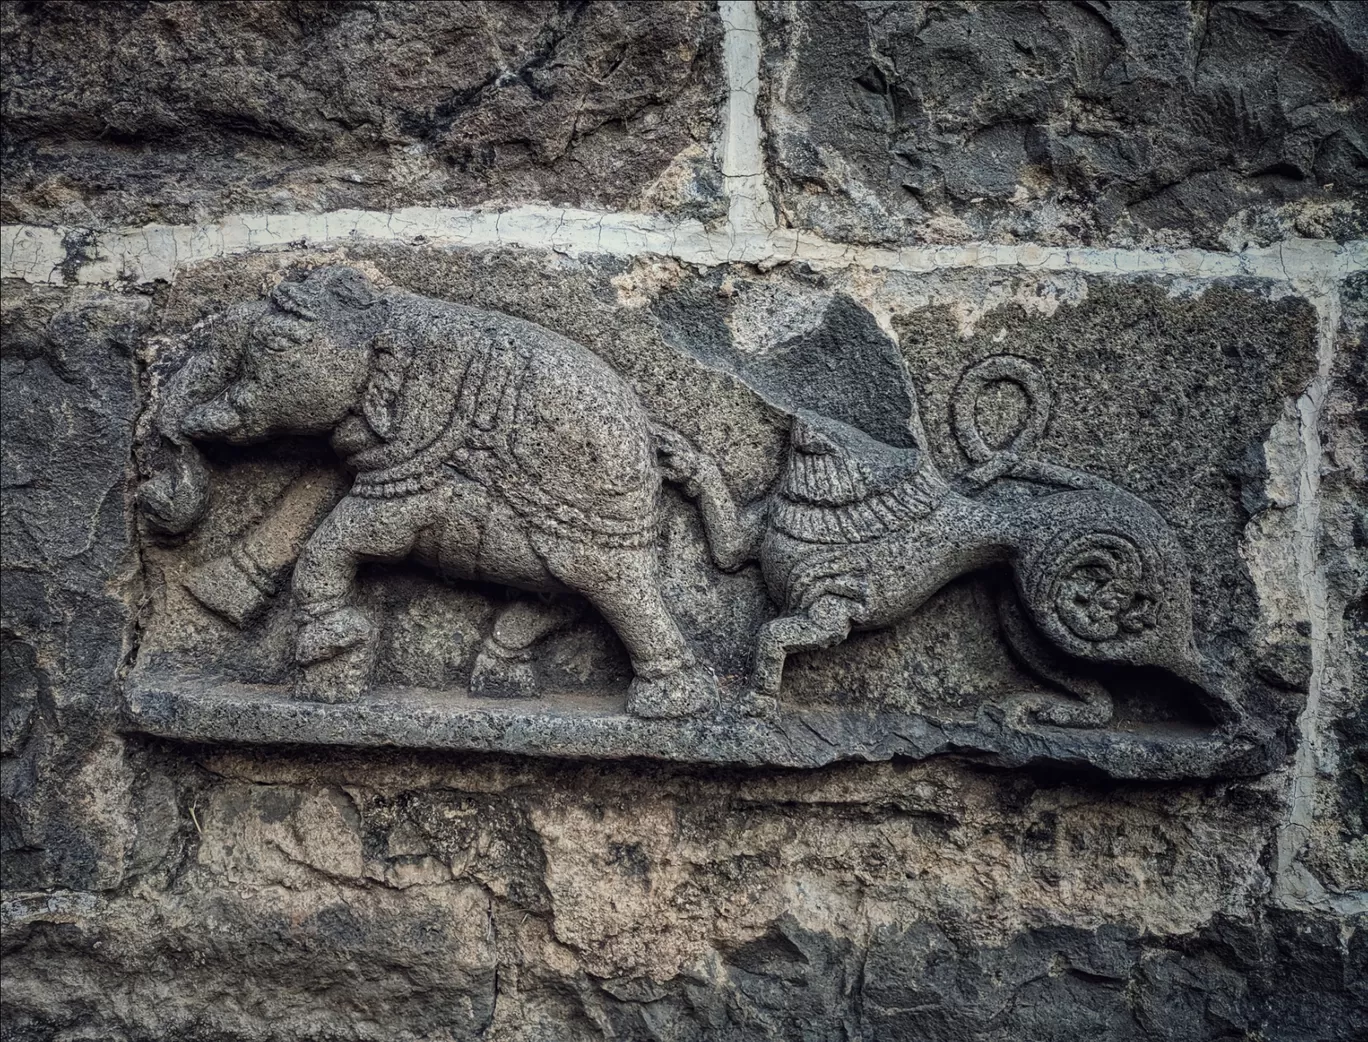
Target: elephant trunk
{"points": [[176, 496]]}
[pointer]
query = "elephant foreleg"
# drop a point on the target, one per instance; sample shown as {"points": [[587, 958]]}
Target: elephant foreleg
{"points": [[357, 530], [240, 584]]}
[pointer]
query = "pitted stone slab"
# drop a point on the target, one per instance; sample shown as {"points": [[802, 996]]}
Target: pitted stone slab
{"points": [[195, 853], [1010, 549], [193, 709], [1066, 123], [609, 105]]}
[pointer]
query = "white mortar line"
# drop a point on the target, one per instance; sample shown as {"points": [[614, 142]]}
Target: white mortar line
{"points": [[154, 252], [1295, 886], [743, 159]]}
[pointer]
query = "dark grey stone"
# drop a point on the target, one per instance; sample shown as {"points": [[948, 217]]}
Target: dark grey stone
{"points": [[587, 727], [1090, 762], [124, 113], [1091, 122], [69, 407], [1229, 981], [1111, 400], [1337, 849]]}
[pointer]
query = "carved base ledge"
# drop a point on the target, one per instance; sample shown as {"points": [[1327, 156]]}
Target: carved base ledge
{"points": [[206, 711]]}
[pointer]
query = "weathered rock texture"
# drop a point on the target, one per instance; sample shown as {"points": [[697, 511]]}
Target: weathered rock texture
{"points": [[190, 853], [174, 112], [1171, 123]]}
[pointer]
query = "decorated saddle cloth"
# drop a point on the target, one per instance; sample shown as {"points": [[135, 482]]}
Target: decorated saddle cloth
{"points": [[533, 417], [842, 486]]}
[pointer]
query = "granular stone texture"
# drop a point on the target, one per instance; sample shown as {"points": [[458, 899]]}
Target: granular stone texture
{"points": [[384, 896], [629, 583], [1169, 123], [1337, 846], [69, 404]]}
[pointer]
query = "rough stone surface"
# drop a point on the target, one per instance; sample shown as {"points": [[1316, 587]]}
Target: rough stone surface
{"points": [[178, 112], [952, 824], [70, 569], [388, 896], [1336, 852], [1169, 123]]}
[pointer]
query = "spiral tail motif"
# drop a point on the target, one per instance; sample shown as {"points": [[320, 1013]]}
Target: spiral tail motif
{"points": [[1103, 578]]}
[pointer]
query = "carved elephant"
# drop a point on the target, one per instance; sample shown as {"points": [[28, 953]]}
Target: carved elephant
{"points": [[859, 534], [481, 445]]}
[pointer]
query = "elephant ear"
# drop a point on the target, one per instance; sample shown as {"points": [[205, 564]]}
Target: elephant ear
{"points": [[390, 360]]}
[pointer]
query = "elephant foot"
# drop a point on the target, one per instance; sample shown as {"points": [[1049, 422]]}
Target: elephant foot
{"points": [[499, 673], [227, 589], [327, 635], [685, 692], [342, 678]]}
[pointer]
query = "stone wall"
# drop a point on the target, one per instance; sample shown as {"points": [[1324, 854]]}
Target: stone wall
{"points": [[1159, 205]]}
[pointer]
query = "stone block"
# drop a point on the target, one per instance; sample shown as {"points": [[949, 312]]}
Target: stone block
{"points": [[1168, 124], [182, 112], [1049, 392]]}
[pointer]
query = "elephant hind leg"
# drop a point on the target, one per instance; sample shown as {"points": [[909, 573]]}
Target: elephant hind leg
{"points": [[624, 586]]}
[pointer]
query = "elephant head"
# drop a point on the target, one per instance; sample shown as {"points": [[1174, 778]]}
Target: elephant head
{"points": [[304, 364]]}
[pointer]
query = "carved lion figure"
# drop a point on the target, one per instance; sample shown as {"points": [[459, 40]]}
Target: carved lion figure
{"points": [[858, 534]]}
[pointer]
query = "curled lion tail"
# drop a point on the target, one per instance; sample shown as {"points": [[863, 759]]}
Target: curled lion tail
{"points": [[1012, 459]]}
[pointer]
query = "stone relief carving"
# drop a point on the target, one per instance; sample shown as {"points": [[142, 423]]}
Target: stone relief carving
{"points": [[482, 445], [487, 448], [859, 534]]}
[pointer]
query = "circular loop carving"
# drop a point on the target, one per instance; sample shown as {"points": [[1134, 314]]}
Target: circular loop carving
{"points": [[1102, 577], [964, 403]]}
